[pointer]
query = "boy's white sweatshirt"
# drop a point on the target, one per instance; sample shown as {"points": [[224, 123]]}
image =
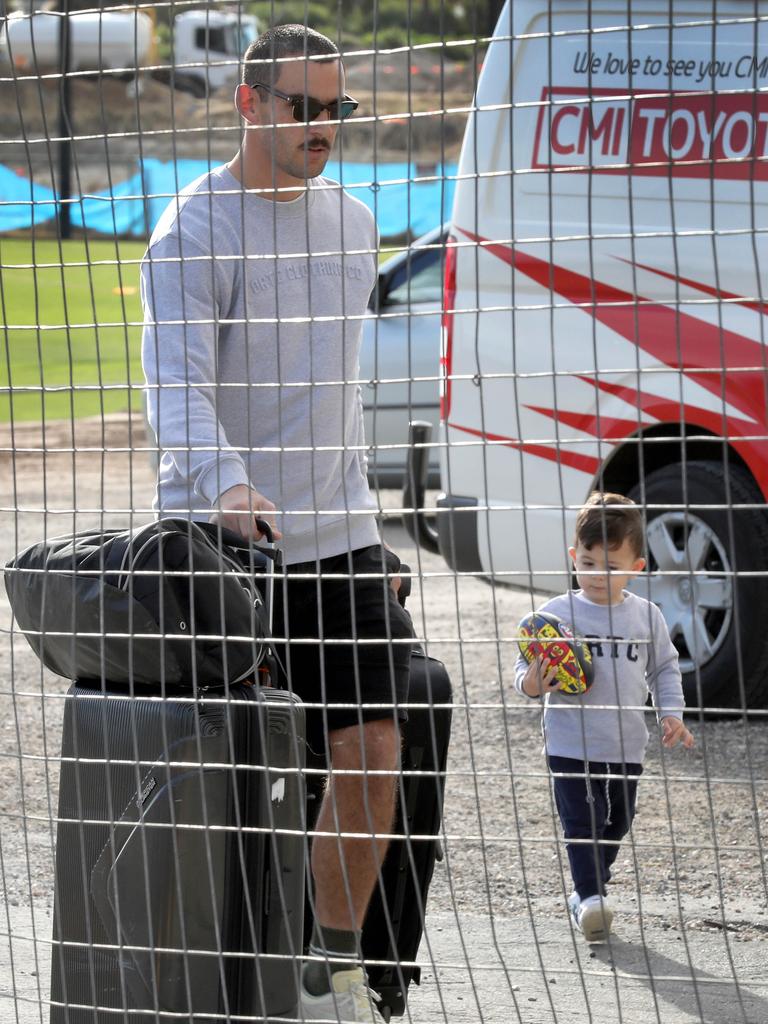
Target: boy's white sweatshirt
{"points": [[633, 654]]}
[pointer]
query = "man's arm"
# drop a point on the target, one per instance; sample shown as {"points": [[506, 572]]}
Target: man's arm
{"points": [[181, 313]]}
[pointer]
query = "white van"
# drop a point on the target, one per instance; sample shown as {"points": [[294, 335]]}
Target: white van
{"points": [[605, 318]]}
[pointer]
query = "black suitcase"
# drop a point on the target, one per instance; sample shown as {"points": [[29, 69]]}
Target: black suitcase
{"points": [[180, 858], [394, 923]]}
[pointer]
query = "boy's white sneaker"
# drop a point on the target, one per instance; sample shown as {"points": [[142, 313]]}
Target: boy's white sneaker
{"points": [[573, 908], [350, 1002], [592, 917]]}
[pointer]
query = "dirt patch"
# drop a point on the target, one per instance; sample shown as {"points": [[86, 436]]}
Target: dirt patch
{"points": [[412, 106]]}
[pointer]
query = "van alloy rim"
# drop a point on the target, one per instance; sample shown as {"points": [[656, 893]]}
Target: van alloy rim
{"points": [[691, 580]]}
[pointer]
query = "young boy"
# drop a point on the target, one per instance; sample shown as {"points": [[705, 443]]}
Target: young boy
{"points": [[595, 742]]}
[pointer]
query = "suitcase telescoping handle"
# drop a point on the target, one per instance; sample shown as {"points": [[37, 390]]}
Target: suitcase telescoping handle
{"points": [[273, 564], [253, 554], [266, 554], [269, 668]]}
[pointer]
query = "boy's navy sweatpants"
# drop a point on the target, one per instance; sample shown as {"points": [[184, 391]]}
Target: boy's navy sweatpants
{"points": [[598, 809]]}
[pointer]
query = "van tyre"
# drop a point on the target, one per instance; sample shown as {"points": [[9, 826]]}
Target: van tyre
{"points": [[717, 617]]}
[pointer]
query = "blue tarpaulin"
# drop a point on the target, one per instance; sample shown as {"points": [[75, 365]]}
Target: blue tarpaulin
{"points": [[23, 203], [402, 196]]}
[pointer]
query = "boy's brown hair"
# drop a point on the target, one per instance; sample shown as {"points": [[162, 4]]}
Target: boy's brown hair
{"points": [[610, 519]]}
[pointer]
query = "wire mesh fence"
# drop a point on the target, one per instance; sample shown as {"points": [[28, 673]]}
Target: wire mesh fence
{"points": [[537, 232]]}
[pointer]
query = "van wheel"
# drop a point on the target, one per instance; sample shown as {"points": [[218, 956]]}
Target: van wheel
{"points": [[716, 617]]}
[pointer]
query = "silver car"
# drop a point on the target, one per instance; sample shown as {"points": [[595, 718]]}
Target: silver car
{"points": [[400, 355]]}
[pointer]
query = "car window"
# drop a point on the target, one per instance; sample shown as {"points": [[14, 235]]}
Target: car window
{"points": [[419, 279]]}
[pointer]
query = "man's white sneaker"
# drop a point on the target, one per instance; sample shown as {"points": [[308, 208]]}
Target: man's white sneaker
{"points": [[592, 916], [351, 1001]]}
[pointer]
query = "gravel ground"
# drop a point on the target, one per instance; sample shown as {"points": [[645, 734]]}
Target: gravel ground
{"points": [[696, 862]]}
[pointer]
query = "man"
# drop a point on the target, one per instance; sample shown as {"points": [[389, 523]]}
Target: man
{"points": [[255, 284]]}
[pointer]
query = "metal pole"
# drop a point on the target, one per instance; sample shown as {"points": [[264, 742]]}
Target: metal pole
{"points": [[65, 126]]}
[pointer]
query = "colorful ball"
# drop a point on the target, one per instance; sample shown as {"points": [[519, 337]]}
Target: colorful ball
{"points": [[543, 633]]}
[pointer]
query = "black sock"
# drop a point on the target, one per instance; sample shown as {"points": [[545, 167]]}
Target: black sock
{"points": [[335, 950]]}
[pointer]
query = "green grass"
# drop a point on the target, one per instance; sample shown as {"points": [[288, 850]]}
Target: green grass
{"points": [[55, 368], [50, 299]]}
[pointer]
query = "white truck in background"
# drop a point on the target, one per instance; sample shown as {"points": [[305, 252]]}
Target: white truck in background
{"points": [[208, 47], [605, 316], [206, 52]]}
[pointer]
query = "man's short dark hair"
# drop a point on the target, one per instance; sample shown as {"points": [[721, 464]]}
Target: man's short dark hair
{"points": [[610, 519], [261, 63]]}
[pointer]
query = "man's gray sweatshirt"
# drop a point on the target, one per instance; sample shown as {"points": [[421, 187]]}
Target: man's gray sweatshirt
{"points": [[253, 319], [632, 654]]}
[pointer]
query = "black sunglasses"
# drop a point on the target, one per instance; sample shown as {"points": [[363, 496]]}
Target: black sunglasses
{"points": [[307, 108]]}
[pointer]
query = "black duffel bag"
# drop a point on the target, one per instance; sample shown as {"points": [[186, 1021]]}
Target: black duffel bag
{"points": [[173, 606]]}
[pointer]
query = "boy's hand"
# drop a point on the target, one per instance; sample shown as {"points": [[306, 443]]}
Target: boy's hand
{"points": [[540, 678], [673, 731]]}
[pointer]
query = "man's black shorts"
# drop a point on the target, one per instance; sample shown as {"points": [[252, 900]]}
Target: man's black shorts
{"points": [[349, 647]]}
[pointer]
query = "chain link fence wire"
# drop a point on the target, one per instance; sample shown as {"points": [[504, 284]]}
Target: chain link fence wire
{"points": [[565, 287]]}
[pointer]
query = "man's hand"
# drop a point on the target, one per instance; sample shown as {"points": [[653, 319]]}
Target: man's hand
{"points": [[394, 581], [540, 678], [240, 507], [673, 731]]}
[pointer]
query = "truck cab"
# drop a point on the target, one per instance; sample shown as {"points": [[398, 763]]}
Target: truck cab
{"points": [[208, 47]]}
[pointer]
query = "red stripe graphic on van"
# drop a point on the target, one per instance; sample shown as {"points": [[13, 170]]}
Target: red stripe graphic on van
{"points": [[718, 293], [608, 428], [614, 429], [672, 411], [584, 463], [746, 440], [700, 350]]}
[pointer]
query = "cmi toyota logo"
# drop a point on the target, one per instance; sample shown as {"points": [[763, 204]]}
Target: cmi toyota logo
{"points": [[684, 134]]}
